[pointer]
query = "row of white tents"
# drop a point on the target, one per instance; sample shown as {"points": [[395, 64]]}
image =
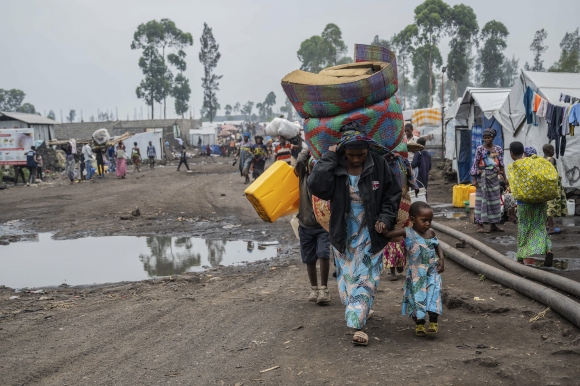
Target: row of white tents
{"points": [[503, 109]]}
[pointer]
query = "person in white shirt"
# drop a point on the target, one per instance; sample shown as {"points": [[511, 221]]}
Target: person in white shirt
{"points": [[88, 153]]}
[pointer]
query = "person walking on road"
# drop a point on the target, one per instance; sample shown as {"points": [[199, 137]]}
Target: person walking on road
{"points": [[355, 177], [314, 244], [136, 158], [88, 153], [151, 154], [121, 160], [183, 159], [112, 160], [487, 166], [31, 164]]}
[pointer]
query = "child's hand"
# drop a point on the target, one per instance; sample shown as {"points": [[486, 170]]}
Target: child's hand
{"points": [[380, 227], [441, 266]]}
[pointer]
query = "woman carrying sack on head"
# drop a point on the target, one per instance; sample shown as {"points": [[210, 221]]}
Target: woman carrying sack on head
{"points": [[487, 166], [365, 198]]}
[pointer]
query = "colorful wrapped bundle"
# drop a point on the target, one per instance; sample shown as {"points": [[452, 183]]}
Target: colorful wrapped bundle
{"points": [[330, 93], [381, 121]]}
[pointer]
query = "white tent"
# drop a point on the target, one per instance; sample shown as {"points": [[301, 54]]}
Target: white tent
{"points": [[207, 135], [512, 117], [477, 108], [142, 139], [450, 124]]}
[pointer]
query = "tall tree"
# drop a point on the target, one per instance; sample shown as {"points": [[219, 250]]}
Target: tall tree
{"points": [[424, 58], [402, 44], [313, 54], [463, 30], [228, 111], [161, 36], [71, 116], [333, 36], [381, 42], [247, 109], [509, 72], [51, 115], [27, 108], [493, 35], [237, 107], [151, 88], [288, 109], [570, 56], [269, 102], [209, 57], [11, 100], [538, 48], [181, 90], [432, 19]]}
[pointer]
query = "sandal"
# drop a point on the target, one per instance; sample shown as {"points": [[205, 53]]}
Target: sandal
{"points": [[420, 330], [363, 339], [433, 328]]}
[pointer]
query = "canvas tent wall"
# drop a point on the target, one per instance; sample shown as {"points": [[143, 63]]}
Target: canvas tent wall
{"points": [[450, 124], [207, 135], [478, 110], [512, 116], [143, 139]]}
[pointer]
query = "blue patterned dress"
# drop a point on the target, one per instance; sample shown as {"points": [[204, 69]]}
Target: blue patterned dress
{"points": [[357, 270], [423, 282]]}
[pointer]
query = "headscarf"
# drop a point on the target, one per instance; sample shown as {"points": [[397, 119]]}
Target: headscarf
{"points": [[353, 138], [529, 151], [246, 135], [489, 133]]}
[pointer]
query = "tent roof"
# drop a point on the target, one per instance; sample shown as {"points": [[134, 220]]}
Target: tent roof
{"points": [[32, 119], [548, 85], [489, 100], [452, 110], [551, 84]]}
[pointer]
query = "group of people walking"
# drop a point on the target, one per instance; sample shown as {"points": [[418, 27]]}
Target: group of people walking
{"points": [[357, 177], [534, 220]]}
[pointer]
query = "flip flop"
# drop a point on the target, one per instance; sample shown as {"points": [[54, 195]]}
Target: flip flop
{"points": [[360, 335]]}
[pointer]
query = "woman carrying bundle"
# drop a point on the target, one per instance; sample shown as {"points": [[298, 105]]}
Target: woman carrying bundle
{"points": [[365, 200]]}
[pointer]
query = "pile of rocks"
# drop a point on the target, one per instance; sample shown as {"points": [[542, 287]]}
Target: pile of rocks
{"points": [[49, 158]]}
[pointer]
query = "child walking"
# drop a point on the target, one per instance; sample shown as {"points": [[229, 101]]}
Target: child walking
{"points": [[426, 262]]}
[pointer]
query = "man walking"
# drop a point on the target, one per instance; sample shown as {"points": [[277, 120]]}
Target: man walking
{"points": [[314, 243], [88, 153], [151, 154], [31, 164]]}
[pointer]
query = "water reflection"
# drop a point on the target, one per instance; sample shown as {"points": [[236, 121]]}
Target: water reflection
{"points": [[169, 257], [215, 251]]}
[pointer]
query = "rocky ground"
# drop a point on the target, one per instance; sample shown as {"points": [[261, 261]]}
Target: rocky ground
{"points": [[226, 326]]}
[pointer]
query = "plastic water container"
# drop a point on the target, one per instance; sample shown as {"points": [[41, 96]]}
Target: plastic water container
{"points": [[295, 224], [472, 200], [275, 193], [571, 204], [422, 196], [460, 195]]}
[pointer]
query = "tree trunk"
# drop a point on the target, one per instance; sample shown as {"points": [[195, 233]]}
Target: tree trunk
{"points": [[455, 89], [430, 77]]}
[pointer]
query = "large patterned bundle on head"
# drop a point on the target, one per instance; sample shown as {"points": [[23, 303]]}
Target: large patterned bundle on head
{"points": [[381, 121], [366, 53], [533, 180], [328, 94]]}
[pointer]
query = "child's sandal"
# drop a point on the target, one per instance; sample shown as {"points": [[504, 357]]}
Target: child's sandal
{"points": [[420, 330], [433, 328]]}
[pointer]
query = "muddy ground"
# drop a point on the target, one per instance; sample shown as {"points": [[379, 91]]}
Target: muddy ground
{"points": [[227, 325]]}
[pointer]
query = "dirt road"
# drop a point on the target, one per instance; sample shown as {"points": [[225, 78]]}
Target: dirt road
{"points": [[227, 325]]}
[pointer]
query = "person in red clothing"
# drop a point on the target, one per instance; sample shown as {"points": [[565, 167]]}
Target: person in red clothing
{"points": [[283, 151]]}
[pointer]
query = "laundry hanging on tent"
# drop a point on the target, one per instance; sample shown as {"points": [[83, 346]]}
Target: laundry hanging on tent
{"points": [[568, 99], [426, 117]]}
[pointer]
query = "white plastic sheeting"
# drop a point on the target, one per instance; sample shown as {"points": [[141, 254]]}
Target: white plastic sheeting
{"points": [[488, 100], [207, 135], [142, 140], [512, 117]]}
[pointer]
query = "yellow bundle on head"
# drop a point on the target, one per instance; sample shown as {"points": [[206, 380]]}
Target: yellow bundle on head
{"points": [[533, 180]]}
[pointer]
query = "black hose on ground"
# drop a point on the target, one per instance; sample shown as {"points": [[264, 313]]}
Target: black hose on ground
{"points": [[569, 286], [555, 300]]}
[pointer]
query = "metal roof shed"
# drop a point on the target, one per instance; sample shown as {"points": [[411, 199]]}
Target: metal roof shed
{"points": [[43, 127]]}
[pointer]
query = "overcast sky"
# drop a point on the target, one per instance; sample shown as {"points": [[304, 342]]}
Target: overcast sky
{"points": [[67, 54]]}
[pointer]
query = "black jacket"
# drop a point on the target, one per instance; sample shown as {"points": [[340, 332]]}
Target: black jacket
{"points": [[380, 192]]}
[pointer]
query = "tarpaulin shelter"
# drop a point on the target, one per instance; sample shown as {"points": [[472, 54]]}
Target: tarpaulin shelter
{"points": [[207, 135], [143, 139], [478, 110], [512, 116]]}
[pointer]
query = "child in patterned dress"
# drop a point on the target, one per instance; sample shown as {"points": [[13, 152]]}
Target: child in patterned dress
{"points": [[426, 263]]}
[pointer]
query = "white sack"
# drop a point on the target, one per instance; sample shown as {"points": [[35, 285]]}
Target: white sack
{"points": [[101, 136]]}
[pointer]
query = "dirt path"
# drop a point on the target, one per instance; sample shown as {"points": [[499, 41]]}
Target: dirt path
{"points": [[224, 326]]}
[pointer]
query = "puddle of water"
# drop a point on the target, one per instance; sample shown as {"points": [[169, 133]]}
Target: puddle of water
{"points": [[42, 261]]}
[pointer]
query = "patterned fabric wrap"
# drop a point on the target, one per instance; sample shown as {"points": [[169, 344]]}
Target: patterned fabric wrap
{"points": [[319, 101], [394, 252], [321, 210], [381, 121], [423, 282], [487, 198], [401, 148], [533, 180], [533, 237], [558, 206], [350, 136]]}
